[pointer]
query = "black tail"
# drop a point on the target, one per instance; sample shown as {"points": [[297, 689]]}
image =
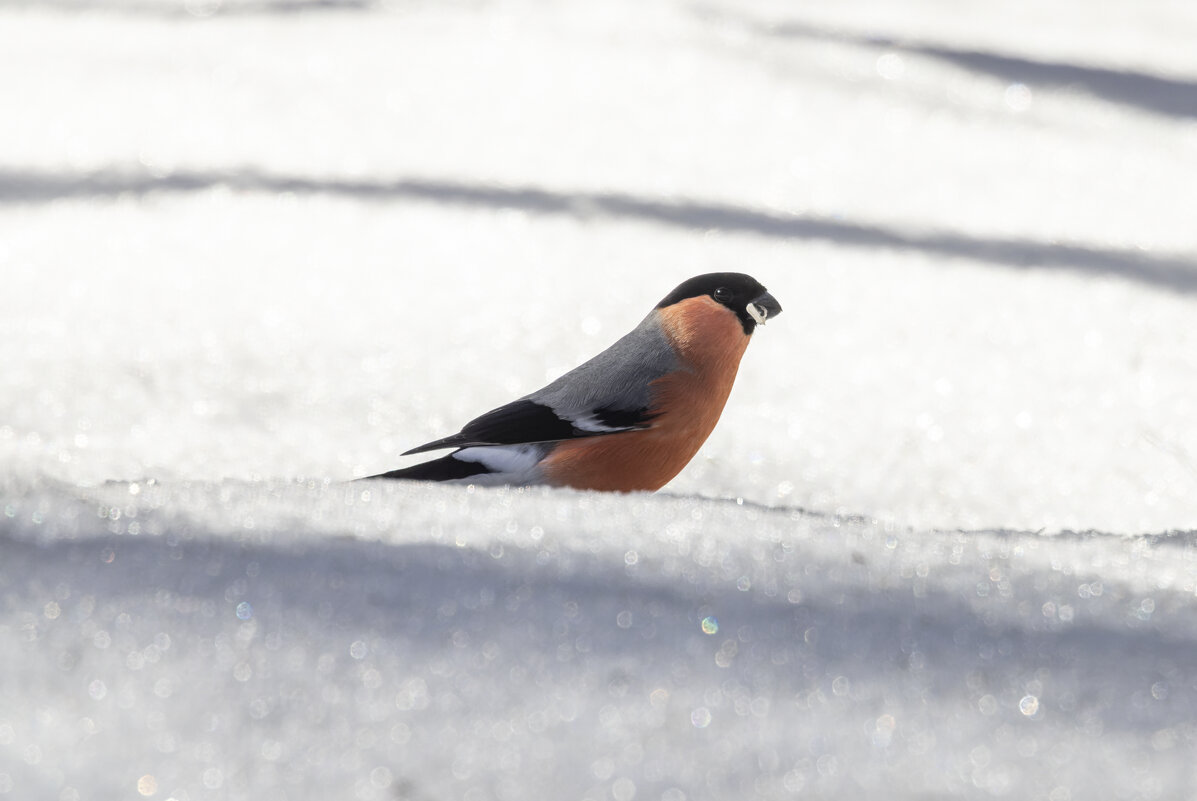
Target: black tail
{"points": [[445, 468]]}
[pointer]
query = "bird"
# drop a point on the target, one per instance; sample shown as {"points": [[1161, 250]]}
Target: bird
{"points": [[628, 419]]}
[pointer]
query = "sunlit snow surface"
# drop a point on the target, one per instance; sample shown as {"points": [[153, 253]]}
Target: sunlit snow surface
{"points": [[292, 641], [252, 250]]}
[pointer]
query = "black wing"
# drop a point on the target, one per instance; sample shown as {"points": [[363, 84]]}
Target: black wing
{"points": [[525, 421]]}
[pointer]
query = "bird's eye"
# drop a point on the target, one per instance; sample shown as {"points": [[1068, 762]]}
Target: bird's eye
{"points": [[723, 294]]}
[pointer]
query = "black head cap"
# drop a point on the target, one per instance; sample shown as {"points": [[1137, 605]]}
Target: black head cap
{"points": [[733, 290]]}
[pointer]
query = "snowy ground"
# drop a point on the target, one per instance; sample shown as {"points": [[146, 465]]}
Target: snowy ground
{"points": [[252, 249]]}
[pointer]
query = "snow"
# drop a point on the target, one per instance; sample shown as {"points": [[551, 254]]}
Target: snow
{"points": [[252, 250], [252, 640]]}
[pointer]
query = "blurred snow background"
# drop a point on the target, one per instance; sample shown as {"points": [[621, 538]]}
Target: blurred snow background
{"points": [[251, 249]]}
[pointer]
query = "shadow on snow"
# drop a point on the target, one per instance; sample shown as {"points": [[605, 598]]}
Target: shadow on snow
{"points": [[1166, 271], [422, 597], [1173, 97]]}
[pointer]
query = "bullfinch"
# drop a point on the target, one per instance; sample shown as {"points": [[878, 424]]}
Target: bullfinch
{"points": [[630, 418]]}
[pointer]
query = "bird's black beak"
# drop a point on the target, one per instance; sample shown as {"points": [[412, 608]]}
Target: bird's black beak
{"points": [[763, 307]]}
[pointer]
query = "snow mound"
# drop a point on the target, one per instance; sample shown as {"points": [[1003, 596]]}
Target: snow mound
{"points": [[375, 640]]}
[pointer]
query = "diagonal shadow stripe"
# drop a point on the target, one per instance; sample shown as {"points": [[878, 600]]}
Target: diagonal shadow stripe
{"points": [[1177, 273], [1158, 94], [195, 10]]}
